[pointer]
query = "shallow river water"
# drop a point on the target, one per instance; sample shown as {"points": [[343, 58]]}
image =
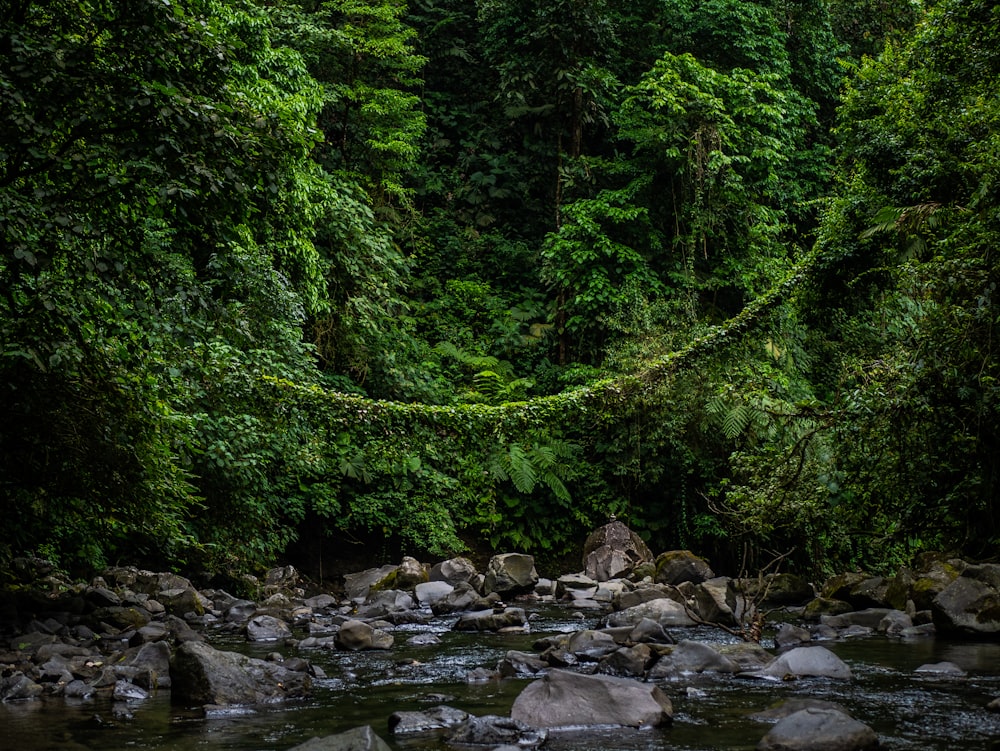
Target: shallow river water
{"points": [[909, 711]]}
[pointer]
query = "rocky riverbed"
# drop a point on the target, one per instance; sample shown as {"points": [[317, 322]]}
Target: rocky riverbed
{"points": [[631, 652]]}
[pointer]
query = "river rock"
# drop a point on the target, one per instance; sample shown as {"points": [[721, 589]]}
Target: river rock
{"points": [[490, 620], [385, 602], [932, 579], [520, 663], [432, 720], [971, 603], [868, 618], [591, 645], [819, 730], [430, 592], [267, 628], [461, 599], [126, 691], [491, 731], [808, 661], [358, 585], [648, 631], [355, 635], [676, 566], [357, 739], [561, 698], [153, 661], [630, 662], [789, 635], [711, 601], [18, 687], [793, 705], [644, 593], [692, 657], [203, 675], [816, 608], [613, 551], [664, 611], [775, 590], [510, 574], [453, 571], [943, 669]]}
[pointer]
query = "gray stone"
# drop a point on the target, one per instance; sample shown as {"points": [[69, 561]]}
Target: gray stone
{"points": [[510, 574], [462, 598], [591, 645], [203, 675], [357, 739], [520, 663], [711, 601], [819, 730], [676, 566], [267, 628], [630, 662], [357, 635], [561, 698], [943, 669], [358, 585], [18, 687], [125, 691], [453, 571], [386, 602], [869, 618], [644, 593], [791, 706], [664, 611], [613, 551], [789, 635], [428, 593], [808, 661], [490, 620], [492, 731], [971, 603], [692, 657], [432, 720]]}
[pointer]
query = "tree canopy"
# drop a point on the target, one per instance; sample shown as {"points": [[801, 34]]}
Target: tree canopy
{"points": [[447, 275]]}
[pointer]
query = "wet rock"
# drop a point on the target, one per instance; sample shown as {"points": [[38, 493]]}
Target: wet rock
{"points": [[203, 675], [101, 597], [644, 593], [77, 689], [819, 730], [282, 577], [520, 663], [424, 722], [676, 566], [932, 579], [357, 635], [461, 599], [428, 593], [357, 739], [153, 661], [423, 640], [894, 623], [267, 628], [410, 573], [18, 687], [240, 611], [971, 603], [994, 706], [590, 645], [820, 606], [868, 618], [126, 691], [808, 661], [613, 551], [664, 611], [749, 656], [575, 586], [183, 600], [510, 574], [649, 631], [492, 731], [711, 601], [943, 669], [320, 602], [490, 620], [791, 706], [630, 662], [774, 590], [561, 698], [481, 675], [789, 635], [358, 585], [692, 657], [453, 571]]}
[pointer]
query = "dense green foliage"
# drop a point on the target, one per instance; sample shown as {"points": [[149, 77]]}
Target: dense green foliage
{"points": [[446, 274]]}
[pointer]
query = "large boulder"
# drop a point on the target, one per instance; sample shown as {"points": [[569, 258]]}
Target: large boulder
{"points": [[490, 620], [817, 729], [202, 674], [692, 657], [358, 739], [676, 566], [561, 698], [971, 603], [453, 571], [808, 661], [462, 598], [357, 635], [511, 574], [490, 731], [613, 551], [664, 611], [267, 628], [427, 721], [358, 585]]}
